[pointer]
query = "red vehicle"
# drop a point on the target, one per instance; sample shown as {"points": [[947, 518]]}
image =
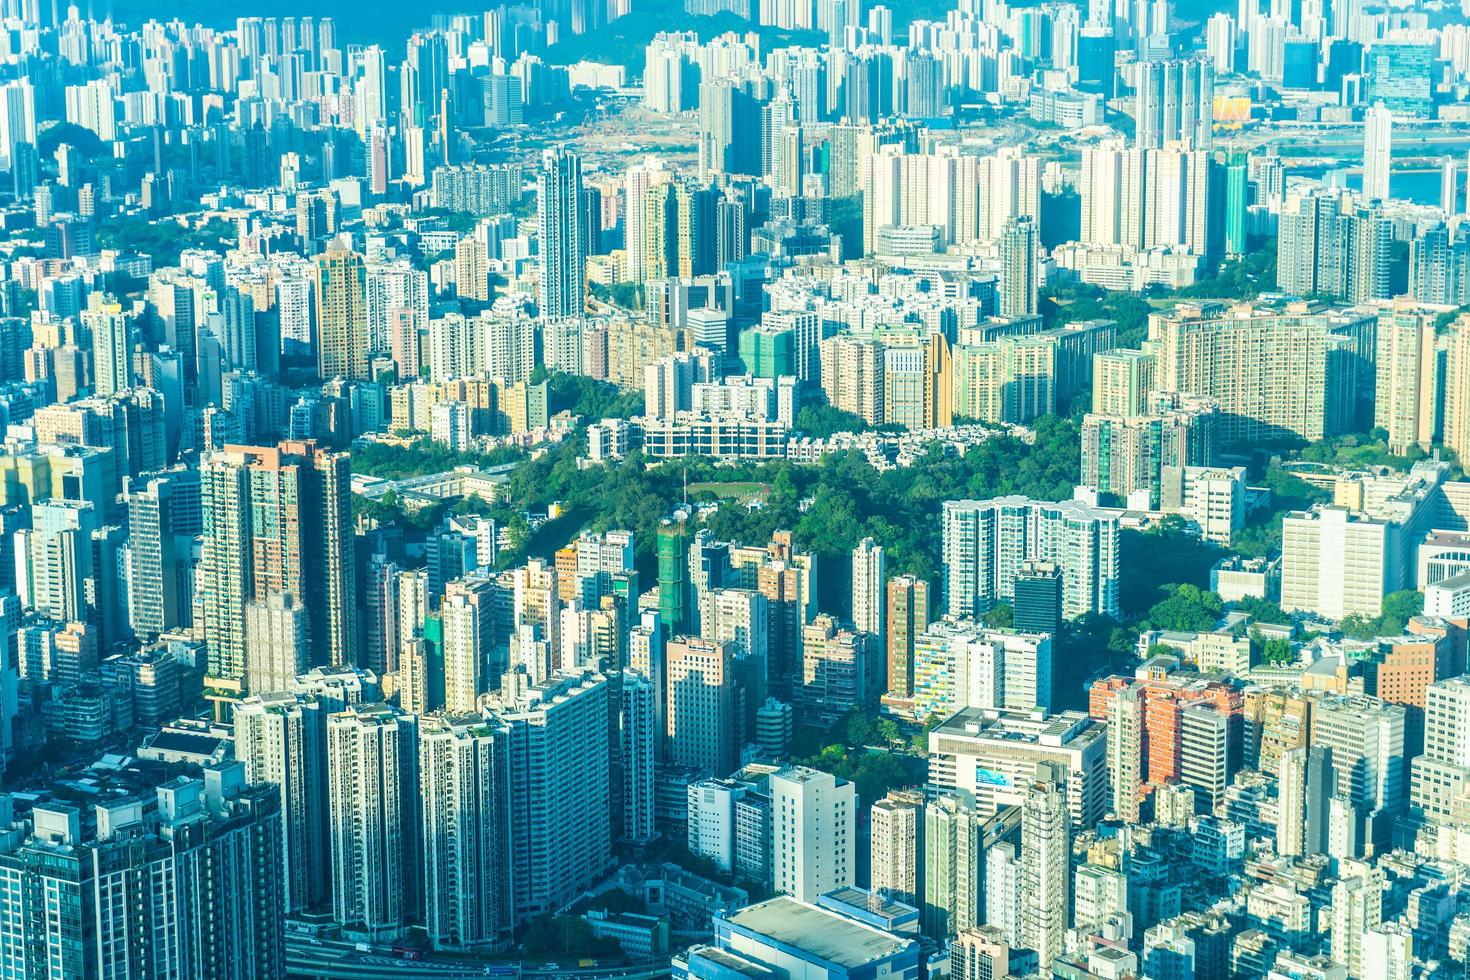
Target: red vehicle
{"points": [[408, 952]]}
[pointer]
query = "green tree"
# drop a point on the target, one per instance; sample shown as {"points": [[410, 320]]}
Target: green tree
{"points": [[1398, 609], [1277, 650], [1262, 610], [821, 421], [1001, 617], [1188, 608]]}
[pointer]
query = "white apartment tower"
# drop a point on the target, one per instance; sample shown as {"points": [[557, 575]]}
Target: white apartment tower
{"points": [[813, 836], [466, 782], [1046, 856], [867, 587], [373, 818], [1377, 152], [897, 820], [282, 739]]}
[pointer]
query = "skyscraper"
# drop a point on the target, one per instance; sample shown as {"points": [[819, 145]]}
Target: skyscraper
{"points": [[729, 128], [275, 642], [907, 616], [1408, 369], [814, 832], [897, 854], [1377, 152], [374, 818], [951, 867], [468, 620], [639, 739], [561, 827], [1018, 283], [277, 519], [868, 587], [1046, 871], [466, 781], [58, 558], [1125, 735], [1174, 101], [1302, 799], [702, 711], [282, 740], [159, 513], [563, 254], [979, 954], [184, 876], [112, 345], [343, 336], [986, 542]]}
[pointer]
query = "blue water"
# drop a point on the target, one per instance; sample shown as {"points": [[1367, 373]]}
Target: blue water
{"points": [[1418, 186]]}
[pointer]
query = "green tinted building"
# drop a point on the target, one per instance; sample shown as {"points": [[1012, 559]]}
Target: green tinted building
{"points": [[767, 353]]}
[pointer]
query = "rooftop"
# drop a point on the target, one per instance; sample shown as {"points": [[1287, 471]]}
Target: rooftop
{"points": [[822, 934], [1034, 726], [729, 961]]}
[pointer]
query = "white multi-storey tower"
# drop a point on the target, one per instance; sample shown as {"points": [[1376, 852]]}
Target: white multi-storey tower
{"points": [[563, 255], [282, 739], [373, 799], [814, 833], [1377, 152], [1046, 856], [867, 587], [896, 854], [466, 784]]}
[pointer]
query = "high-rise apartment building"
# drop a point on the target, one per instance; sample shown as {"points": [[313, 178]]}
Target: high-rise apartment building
{"points": [[1377, 152], [813, 833], [1174, 100], [907, 616], [1333, 245], [282, 740], [464, 768], [1019, 244], [1123, 455], [184, 876], [112, 333], [162, 516], [342, 327], [561, 824], [277, 519], [986, 541], [276, 647], [563, 253], [1407, 396], [952, 857], [1272, 373], [374, 819], [639, 745], [1046, 865], [1121, 382], [468, 620], [897, 823], [868, 588]]}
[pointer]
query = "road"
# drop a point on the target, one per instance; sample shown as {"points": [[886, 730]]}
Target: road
{"points": [[323, 959]]}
